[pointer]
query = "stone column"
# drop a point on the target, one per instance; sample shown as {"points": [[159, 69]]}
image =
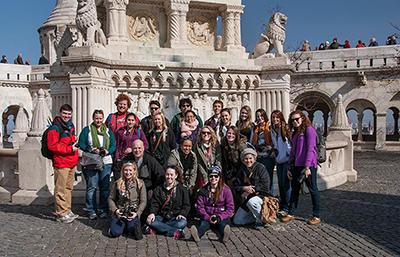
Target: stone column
{"points": [[396, 124], [177, 25], [311, 116], [231, 19], [380, 131], [116, 21], [360, 117], [326, 117]]}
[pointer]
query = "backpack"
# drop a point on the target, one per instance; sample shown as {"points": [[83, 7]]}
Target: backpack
{"points": [[45, 148], [321, 147]]}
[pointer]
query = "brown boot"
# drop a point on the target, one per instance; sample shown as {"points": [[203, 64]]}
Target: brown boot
{"points": [[314, 221], [287, 218]]}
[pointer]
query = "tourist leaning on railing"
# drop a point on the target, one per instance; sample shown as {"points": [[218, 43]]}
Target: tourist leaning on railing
{"points": [[98, 143]]}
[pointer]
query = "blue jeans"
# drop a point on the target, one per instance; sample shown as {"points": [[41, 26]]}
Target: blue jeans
{"points": [[118, 226], [284, 185], [168, 227], [269, 164], [311, 183], [94, 179], [206, 225], [243, 217]]}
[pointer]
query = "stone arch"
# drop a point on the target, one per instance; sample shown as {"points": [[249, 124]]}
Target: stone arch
{"points": [[9, 116], [314, 101], [392, 124], [366, 131]]}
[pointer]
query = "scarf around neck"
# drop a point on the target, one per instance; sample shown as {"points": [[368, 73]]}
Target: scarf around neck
{"points": [[95, 133]]}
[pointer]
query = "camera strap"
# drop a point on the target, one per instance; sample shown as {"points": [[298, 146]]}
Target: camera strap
{"points": [[169, 197]]}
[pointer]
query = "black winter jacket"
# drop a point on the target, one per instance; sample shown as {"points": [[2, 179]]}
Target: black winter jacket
{"points": [[178, 205]]}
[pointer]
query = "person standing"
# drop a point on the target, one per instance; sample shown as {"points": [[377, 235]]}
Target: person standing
{"points": [[117, 120], [303, 165], [155, 108], [245, 124], [60, 141], [97, 139], [214, 121], [185, 104]]}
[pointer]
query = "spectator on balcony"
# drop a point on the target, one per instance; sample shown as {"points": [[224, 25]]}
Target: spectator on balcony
{"points": [[27, 62], [19, 59], [334, 45], [372, 42], [360, 44], [391, 40], [346, 44], [306, 46], [4, 59], [327, 45], [321, 46], [43, 60]]}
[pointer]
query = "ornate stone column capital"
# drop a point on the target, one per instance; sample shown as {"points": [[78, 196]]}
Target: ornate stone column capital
{"points": [[116, 4], [116, 21]]}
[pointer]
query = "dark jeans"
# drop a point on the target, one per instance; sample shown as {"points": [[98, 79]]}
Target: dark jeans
{"points": [[284, 185], [206, 225], [269, 164], [100, 179], [168, 227], [311, 183], [118, 226]]}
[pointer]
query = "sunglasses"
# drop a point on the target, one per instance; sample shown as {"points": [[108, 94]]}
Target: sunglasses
{"points": [[296, 119], [186, 105], [154, 108], [206, 133], [213, 176]]}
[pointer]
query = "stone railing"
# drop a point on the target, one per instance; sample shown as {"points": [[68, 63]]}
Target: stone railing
{"points": [[23, 73], [347, 59]]}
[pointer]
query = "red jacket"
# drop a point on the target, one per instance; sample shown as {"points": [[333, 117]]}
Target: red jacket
{"points": [[60, 139]]}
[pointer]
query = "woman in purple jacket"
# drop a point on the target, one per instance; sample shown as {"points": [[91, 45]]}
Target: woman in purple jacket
{"points": [[215, 207], [303, 165]]}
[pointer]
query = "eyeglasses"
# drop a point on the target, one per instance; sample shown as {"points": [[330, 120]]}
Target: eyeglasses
{"points": [[186, 105], [206, 132], [296, 119], [213, 176], [154, 108]]}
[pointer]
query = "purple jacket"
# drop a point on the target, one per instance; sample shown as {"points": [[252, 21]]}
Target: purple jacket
{"points": [[224, 208], [125, 139], [304, 148]]}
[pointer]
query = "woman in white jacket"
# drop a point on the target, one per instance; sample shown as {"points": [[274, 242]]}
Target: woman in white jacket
{"points": [[280, 136]]}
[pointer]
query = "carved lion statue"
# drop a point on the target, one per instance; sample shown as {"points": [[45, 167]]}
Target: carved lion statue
{"points": [[87, 23], [274, 37]]}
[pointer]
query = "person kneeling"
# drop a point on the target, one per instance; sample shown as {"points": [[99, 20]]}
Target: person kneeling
{"points": [[127, 201], [215, 206], [252, 184], [169, 206]]}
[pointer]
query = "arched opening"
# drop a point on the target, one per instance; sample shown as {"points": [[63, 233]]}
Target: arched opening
{"points": [[8, 120], [353, 122], [392, 124], [368, 125], [365, 115]]}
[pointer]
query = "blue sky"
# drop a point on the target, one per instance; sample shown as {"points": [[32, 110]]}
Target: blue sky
{"points": [[316, 21]]}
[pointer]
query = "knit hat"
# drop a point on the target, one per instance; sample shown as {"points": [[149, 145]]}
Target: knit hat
{"points": [[214, 170], [247, 151]]}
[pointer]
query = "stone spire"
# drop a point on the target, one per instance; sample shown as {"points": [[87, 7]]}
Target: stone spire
{"points": [[340, 119], [40, 117], [63, 13]]}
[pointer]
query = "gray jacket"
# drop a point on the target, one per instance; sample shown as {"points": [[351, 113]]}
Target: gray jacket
{"points": [[189, 176]]}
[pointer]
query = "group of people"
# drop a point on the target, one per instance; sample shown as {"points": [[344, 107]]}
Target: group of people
{"points": [[20, 60], [155, 175], [391, 40]]}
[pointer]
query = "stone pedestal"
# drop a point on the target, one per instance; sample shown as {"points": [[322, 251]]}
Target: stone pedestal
{"points": [[35, 175], [380, 131]]}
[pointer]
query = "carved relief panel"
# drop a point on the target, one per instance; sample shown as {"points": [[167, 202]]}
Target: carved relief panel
{"points": [[201, 30], [143, 26]]}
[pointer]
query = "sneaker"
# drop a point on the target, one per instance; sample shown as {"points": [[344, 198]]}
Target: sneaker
{"points": [[92, 216], [103, 215], [287, 218], [258, 226], [65, 219], [314, 221], [73, 215], [177, 235], [194, 233], [282, 213], [227, 234], [147, 230], [186, 233]]}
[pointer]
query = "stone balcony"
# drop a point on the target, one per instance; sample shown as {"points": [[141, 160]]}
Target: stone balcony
{"points": [[352, 59]]}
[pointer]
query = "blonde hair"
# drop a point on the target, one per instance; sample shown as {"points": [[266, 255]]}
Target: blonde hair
{"points": [[164, 125], [121, 181], [213, 140]]}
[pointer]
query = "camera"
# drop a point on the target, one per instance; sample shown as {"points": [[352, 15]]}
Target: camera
{"points": [[102, 151], [214, 218], [272, 153], [302, 177], [128, 209]]}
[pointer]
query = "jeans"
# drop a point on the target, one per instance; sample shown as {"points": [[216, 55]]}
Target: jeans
{"points": [[94, 179], [63, 184], [284, 185], [243, 217], [118, 226], [311, 183], [269, 164], [206, 225], [168, 227]]}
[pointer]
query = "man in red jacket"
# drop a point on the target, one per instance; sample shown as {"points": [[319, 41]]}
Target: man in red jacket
{"points": [[60, 141]]}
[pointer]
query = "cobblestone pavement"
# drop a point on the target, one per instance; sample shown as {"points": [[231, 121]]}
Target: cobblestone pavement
{"points": [[359, 219]]}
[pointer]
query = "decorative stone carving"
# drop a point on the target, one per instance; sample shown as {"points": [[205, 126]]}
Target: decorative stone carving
{"points": [[143, 27], [40, 117], [201, 31], [142, 106], [207, 106], [273, 38], [197, 104], [224, 99], [234, 104], [362, 79], [245, 100], [340, 120], [21, 128], [87, 23]]}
